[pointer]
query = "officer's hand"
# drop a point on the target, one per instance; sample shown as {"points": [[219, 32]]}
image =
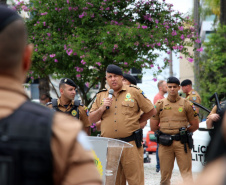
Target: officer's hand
{"points": [[214, 117], [107, 102]]}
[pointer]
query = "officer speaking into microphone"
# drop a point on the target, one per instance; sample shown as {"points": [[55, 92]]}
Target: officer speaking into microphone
{"points": [[122, 121], [177, 119]]}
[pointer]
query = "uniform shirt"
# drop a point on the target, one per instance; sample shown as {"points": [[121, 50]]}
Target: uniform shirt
{"points": [[122, 118], [194, 96], [83, 111], [72, 163], [166, 111]]}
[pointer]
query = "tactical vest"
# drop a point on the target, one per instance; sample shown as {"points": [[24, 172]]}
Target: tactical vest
{"points": [[173, 116], [25, 152], [73, 111]]}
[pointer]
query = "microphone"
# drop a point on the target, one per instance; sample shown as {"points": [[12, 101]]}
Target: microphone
{"points": [[111, 92]]}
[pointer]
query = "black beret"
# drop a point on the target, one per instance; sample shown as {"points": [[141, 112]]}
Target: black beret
{"points": [[130, 78], [68, 82], [114, 69], [7, 16], [173, 80], [186, 82]]}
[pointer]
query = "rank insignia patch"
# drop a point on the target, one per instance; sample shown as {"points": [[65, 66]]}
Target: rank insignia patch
{"points": [[74, 113]]}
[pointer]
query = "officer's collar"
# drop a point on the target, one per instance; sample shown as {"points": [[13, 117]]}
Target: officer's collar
{"points": [[15, 86], [123, 88], [59, 102], [190, 91], [173, 99]]}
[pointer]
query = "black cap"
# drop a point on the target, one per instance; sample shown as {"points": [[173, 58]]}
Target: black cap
{"points": [[114, 69], [7, 16], [130, 78], [173, 80], [68, 82], [186, 82]]}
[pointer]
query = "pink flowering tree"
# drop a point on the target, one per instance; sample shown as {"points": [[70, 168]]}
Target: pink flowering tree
{"points": [[78, 39]]}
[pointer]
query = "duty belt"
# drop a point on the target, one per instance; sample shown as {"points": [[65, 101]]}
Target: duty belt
{"points": [[127, 139], [176, 137]]}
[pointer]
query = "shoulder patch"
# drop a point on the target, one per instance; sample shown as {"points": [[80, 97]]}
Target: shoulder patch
{"points": [[102, 90], [131, 85], [86, 110], [193, 92]]}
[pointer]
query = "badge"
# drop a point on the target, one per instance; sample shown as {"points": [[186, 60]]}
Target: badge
{"points": [[194, 98], [65, 80], [180, 109], [193, 92], [128, 96], [73, 113]]}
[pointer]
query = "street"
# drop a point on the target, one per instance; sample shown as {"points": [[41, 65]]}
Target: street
{"points": [[153, 178]]}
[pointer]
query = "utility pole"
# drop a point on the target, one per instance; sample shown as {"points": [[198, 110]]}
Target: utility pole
{"points": [[171, 63], [196, 53]]}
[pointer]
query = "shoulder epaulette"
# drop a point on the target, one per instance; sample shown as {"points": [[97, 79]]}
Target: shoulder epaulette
{"points": [[102, 90], [81, 104], [131, 85], [49, 103]]}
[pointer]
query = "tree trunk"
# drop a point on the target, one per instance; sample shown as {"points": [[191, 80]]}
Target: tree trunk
{"points": [[3, 1], [222, 12], [44, 86]]}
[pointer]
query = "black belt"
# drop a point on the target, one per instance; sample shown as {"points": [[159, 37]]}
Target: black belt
{"points": [[127, 139], [176, 137]]}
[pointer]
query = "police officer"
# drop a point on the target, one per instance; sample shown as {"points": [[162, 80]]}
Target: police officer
{"points": [[191, 94], [67, 104], [45, 98], [129, 79], [120, 119], [173, 114], [35, 147]]}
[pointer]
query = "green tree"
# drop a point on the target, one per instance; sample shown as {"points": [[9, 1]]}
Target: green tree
{"points": [[78, 39], [213, 65]]}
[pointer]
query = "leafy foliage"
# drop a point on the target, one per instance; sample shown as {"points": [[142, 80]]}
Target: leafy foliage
{"points": [[79, 39], [213, 65]]}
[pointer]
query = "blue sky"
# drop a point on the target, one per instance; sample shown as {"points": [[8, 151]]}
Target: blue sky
{"points": [[148, 85]]}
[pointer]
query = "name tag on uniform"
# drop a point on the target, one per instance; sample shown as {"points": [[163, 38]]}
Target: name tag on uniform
{"points": [[167, 108]]}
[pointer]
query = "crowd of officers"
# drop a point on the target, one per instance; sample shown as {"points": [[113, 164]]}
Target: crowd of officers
{"points": [[123, 116], [41, 146]]}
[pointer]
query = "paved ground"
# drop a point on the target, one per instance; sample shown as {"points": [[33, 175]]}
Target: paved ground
{"points": [[153, 178]]}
